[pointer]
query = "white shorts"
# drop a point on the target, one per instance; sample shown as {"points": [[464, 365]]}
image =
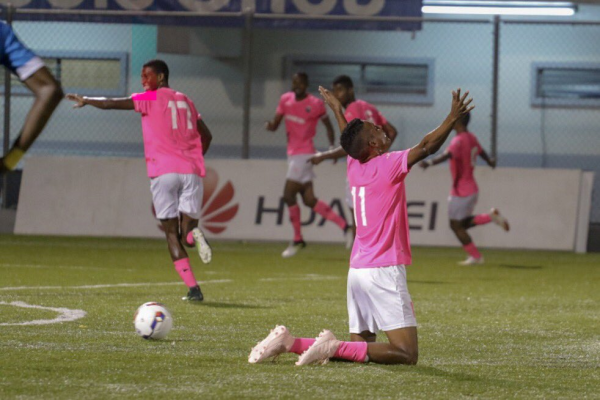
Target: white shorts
{"points": [[460, 208], [299, 169], [29, 68], [173, 194], [378, 299]]}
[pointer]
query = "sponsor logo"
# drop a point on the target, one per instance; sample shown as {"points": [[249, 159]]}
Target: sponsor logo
{"points": [[308, 109]]}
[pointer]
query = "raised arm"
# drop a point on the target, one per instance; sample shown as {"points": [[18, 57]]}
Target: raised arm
{"points": [[335, 106], [123, 103], [434, 140], [273, 124], [489, 160], [205, 135]]}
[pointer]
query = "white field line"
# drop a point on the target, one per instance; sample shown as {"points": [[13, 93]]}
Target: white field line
{"points": [[65, 314], [307, 277], [41, 266], [106, 286]]}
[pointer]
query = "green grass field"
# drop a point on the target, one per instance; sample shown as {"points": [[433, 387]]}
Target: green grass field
{"points": [[526, 325]]}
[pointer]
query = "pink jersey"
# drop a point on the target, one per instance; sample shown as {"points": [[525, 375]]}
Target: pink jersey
{"points": [[171, 139], [301, 118], [464, 149], [380, 214], [367, 112]]}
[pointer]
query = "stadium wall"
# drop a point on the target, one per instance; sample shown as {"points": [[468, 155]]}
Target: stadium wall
{"points": [[110, 197]]}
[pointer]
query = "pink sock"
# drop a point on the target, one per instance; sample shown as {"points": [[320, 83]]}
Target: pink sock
{"points": [[482, 219], [301, 345], [190, 238], [184, 269], [472, 250], [295, 220], [326, 212], [352, 351]]}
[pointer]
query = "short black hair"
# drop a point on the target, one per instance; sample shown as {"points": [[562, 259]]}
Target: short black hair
{"points": [[302, 75], [350, 139], [465, 119], [159, 66], [344, 80]]}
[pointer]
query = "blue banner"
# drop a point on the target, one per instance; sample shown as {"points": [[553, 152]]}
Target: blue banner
{"points": [[262, 9]]}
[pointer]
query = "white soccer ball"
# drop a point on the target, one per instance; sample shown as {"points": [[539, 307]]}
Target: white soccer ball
{"points": [[153, 321]]}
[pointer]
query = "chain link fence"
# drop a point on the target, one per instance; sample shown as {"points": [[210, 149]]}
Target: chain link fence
{"points": [[540, 123]]}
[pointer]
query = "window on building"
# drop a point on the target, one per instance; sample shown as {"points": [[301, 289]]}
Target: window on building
{"points": [[566, 84]]}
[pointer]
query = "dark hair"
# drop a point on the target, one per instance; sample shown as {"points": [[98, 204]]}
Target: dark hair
{"points": [[344, 80], [350, 139], [302, 75], [159, 66], [465, 119]]}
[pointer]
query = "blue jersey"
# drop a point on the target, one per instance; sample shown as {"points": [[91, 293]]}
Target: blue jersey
{"points": [[13, 54]]}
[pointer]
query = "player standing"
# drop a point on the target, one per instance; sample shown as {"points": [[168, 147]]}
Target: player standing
{"points": [[378, 297], [462, 153], [37, 78], [302, 111], [175, 141], [343, 90]]}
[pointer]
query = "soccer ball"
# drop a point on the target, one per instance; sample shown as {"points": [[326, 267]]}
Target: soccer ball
{"points": [[152, 321]]}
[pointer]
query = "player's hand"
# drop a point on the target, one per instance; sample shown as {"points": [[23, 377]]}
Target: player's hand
{"points": [[270, 126], [331, 148], [460, 104], [493, 163], [330, 99], [424, 164], [316, 159], [79, 102]]}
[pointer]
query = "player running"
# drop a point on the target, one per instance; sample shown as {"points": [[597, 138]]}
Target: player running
{"points": [[37, 78], [462, 153], [302, 111], [175, 141], [378, 297], [343, 90]]}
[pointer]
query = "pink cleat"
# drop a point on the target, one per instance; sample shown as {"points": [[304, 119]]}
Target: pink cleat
{"points": [[279, 341], [499, 219], [321, 351]]}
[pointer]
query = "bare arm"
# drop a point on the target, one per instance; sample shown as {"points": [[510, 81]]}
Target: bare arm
{"points": [[335, 106], [123, 103], [205, 135], [332, 154], [434, 140], [330, 135], [274, 123], [390, 131], [436, 160], [489, 160]]}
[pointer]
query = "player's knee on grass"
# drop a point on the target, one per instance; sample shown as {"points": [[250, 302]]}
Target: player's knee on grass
{"points": [[407, 355]]}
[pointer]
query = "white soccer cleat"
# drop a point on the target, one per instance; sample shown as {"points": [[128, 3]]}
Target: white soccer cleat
{"points": [[293, 248], [280, 340], [499, 219], [472, 261], [204, 250], [321, 350]]}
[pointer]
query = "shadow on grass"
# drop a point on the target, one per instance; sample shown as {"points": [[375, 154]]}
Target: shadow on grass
{"points": [[456, 376], [513, 266], [213, 304]]}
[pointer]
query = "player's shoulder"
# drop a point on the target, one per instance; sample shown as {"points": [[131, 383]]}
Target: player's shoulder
{"points": [[287, 96], [315, 99]]}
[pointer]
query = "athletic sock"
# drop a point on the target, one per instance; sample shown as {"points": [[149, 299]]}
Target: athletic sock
{"points": [[190, 238], [295, 220], [482, 219], [472, 250], [301, 345], [184, 269], [326, 212], [352, 351]]}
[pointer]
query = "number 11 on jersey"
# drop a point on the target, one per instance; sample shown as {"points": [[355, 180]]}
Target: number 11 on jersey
{"points": [[363, 210]]}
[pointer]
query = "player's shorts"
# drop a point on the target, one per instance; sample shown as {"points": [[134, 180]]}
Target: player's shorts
{"points": [[29, 68], [173, 194], [378, 299], [460, 208], [15, 56], [299, 169]]}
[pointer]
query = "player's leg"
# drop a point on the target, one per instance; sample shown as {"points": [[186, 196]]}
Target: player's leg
{"points": [[290, 193], [321, 208], [459, 210], [190, 209], [279, 341], [48, 94]]}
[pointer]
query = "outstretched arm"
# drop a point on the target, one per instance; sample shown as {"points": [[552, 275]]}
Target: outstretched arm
{"points": [[123, 103], [332, 154], [489, 160], [434, 140], [205, 135], [273, 124], [436, 160]]}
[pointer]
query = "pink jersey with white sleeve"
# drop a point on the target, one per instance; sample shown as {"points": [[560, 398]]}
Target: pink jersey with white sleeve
{"points": [[379, 198], [301, 118], [171, 139], [365, 111], [464, 149]]}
